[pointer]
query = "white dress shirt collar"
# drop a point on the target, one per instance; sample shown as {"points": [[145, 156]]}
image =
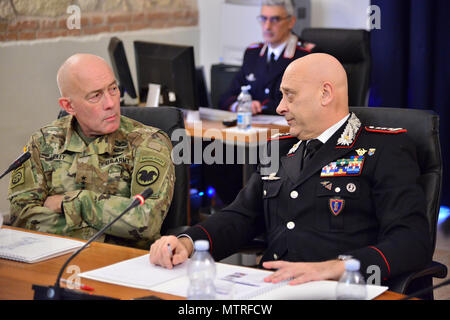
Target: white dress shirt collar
{"points": [[324, 136], [276, 51]]}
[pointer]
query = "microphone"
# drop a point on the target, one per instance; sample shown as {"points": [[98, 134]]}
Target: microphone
{"points": [[17, 163], [417, 293], [54, 293]]}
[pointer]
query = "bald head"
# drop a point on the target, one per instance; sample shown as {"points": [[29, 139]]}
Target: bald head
{"points": [[90, 93], [315, 94], [76, 69], [320, 68]]}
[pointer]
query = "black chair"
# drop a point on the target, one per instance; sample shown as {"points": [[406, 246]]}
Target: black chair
{"points": [[423, 128], [167, 119], [352, 49]]}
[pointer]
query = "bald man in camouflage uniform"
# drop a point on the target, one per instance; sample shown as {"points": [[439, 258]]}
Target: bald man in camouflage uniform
{"points": [[86, 167]]}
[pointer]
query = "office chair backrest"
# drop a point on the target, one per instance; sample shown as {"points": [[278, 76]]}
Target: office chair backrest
{"points": [[167, 119], [352, 49], [423, 129]]}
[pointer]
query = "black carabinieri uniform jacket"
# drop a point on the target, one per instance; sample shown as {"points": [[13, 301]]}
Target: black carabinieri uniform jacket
{"points": [[358, 196]]}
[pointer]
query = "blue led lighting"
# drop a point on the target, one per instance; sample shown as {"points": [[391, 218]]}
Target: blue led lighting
{"points": [[444, 213]]}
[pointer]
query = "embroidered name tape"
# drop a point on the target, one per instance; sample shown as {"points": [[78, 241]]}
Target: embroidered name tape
{"points": [[344, 167]]}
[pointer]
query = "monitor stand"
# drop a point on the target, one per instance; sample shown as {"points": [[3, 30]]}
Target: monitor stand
{"points": [[153, 96]]}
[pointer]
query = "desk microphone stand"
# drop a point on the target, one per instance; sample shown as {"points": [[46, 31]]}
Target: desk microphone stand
{"points": [[55, 292]]}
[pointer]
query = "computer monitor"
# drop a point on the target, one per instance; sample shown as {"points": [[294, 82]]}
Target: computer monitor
{"points": [[120, 67], [170, 66], [204, 99]]}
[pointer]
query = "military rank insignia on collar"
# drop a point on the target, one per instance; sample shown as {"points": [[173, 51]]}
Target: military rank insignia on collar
{"points": [[350, 131]]}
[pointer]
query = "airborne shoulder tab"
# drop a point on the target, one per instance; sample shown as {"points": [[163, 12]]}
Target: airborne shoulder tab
{"points": [[385, 129]]}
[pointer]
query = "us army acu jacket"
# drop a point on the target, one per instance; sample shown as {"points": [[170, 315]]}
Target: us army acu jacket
{"points": [[97, 180]]}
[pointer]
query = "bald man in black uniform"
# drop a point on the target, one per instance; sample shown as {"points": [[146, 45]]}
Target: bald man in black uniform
{"points": [[342, 188]]}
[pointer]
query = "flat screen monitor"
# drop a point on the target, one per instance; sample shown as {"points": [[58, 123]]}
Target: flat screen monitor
{"points": [[120, 67], [170, 66]]}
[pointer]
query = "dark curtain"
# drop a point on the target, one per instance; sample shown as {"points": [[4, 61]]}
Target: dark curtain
{"points": [[411, 63]]}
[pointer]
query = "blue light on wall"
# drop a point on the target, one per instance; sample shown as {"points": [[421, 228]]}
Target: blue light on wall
{"points": [[444, 213], [210, 192]]}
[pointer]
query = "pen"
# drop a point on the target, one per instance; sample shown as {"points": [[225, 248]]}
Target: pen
{"points": [[170, 249], [82, 286]]}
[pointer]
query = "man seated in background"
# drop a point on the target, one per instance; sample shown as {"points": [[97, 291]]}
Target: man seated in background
{"points": [[264, 63], [86, 167], [342, 188]]}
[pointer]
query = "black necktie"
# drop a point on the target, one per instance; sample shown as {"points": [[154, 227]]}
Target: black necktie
{"points": [[311, 147], [271, 61]]}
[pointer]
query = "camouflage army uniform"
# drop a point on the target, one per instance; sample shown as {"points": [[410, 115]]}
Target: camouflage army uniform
{"points": [[97, 181]]}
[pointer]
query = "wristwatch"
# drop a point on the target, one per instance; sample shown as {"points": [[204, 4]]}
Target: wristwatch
{"points": [[344, 257]]}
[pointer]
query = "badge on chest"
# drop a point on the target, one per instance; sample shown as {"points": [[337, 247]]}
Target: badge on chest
{"points": [[344, 167]]}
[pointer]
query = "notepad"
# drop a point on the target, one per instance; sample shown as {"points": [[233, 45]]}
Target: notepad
{"points": [[32, 247], [247, 283]]}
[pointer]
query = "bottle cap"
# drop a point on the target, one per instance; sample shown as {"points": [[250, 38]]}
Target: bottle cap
{"points": [[201, 245], [352, 265]]}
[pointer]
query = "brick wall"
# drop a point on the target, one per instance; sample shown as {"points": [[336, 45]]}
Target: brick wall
{"points": [[39, 19]]}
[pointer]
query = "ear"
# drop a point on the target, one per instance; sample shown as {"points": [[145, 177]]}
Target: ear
{"points": [[327, 94], [292, 22], [66, 105]]}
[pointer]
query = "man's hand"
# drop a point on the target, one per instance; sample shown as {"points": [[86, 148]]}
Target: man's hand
{"points": [[256, 107], [54, 203], [180, 250], [301, 272]]}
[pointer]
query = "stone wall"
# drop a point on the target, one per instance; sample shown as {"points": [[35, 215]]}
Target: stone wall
{"points": [[39, 19]]}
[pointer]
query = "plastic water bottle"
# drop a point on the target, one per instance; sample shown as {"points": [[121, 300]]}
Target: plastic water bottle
{"points": [[351, 285], [201, 273], [244, 109]]}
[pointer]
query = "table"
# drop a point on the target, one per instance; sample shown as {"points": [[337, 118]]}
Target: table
{"points": [[17, 278], [206, 129], [248, 142]]}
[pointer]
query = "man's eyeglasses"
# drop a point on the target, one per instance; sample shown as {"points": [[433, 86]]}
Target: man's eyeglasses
{"points": [[275, 19]]}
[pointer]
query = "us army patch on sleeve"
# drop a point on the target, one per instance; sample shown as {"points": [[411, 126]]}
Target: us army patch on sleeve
{"points": [[18, 177], [147, 175], [150, 170]]}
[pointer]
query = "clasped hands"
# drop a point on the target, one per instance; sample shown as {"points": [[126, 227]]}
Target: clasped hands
{"points": [[297, 272], [54, 203]]}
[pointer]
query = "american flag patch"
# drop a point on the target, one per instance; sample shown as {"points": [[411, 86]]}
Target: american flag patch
{"points": [[344, 167]]}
